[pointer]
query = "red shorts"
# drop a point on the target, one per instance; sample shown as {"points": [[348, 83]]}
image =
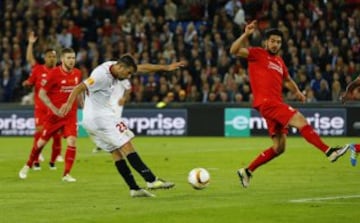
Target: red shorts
{"points": [[40, 116], [277, 116], [53, 124]]}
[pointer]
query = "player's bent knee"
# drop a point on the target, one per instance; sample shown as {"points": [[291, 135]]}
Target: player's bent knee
{"points": [[71, 141]]}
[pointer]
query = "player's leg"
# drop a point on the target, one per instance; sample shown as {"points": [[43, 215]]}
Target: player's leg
{"points": [[56, 149], [39, 120], [70, 155], [125, 172], [333, 153], [70, 133], [36, 150], [136, 162], [278, 147], [36, 164]]}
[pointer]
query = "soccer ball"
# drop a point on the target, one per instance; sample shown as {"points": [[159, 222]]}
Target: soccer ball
{"points": [[199, 178]]}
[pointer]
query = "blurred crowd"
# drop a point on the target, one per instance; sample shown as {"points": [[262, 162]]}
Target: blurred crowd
{"points": [[321, 44]]}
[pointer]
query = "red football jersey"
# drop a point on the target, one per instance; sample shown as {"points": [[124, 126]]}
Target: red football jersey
{"points": [[59, 85], [38, 76], [266, 73]]}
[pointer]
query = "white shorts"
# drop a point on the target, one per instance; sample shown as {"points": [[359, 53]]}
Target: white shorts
{"points": [[108, 133]]}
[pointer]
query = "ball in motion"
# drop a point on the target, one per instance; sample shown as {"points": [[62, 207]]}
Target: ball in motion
{"points": [[199, 178]]}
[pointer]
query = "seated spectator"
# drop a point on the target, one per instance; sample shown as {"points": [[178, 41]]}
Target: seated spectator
{"points": [[7, 85], [323, 94]]}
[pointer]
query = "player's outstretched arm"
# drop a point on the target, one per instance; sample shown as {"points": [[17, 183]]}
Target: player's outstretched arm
{"points": [[237, 47], [29, 49], [65, 108], [292, 86], [347, 95], [149, 68]]}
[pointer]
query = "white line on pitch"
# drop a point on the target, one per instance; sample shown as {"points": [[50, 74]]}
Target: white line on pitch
{"points": [[304, 200]]}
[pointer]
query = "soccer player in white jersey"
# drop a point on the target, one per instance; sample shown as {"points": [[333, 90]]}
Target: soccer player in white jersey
{"points": [[101, 120], [117, 100]]}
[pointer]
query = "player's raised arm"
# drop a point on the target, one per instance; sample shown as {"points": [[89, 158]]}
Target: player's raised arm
{"points": [[237, 47], [149, 68], [29, 50]]}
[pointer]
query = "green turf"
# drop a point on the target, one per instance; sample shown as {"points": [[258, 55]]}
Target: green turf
{"points": [[100, 195]]}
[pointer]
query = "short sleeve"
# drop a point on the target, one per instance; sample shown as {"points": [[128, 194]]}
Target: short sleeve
{"points": [[95, 82], [49, 81], [255, 53], [126, 84]]}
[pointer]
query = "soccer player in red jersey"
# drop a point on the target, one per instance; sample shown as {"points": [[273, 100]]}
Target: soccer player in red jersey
{"points": [[54, 93], [349, 95], [38, 75], [268, 73]]}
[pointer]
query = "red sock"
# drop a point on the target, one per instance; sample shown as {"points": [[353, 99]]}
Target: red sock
{"points": [[357, 148], [36, 138], [56, 147], [69, 158], [263, 158], [312, 137], [33, 155]]}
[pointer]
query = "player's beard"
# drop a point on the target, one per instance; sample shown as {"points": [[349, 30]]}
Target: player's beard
{"points": [[69, 67], [273, 52]]}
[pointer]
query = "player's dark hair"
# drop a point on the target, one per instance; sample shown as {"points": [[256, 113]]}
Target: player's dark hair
{"points": [[128, 61], [49, 50], [275, 32], [67, 50]]}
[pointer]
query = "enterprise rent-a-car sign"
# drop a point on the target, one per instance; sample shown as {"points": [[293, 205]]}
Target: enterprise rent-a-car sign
{"points": [[157, 122], [17, 123], [246, 122], [151, 122]]}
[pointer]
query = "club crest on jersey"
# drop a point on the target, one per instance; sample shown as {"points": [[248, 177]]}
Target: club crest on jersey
{"points": [[276, 67], [63, 81], [90, 81]]}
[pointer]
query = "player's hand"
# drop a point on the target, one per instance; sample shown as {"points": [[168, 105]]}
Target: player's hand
{"points": [[250, 28], [121, 101], [64, 109], [32, 38], [300, 96], [26, 83], [345, 97], [175, 65]]}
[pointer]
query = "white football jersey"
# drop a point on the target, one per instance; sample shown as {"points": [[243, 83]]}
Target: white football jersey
{"points": [[100, 86], [101, 116], [118, 93]]}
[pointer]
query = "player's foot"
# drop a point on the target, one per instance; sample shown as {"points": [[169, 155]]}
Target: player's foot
{"points": [[334, 153], [96, 150], [244, 175], [36, 166], [52, 166], [59, 159], [41, 157], [141, 193], [24, 172], [353, 155], [159, 184], [68, 178]]}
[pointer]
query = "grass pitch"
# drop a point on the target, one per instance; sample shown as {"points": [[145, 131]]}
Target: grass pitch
{"points": [[299, 186]]}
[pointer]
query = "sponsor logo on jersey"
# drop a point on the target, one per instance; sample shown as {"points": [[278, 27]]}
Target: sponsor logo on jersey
{"points": [[90, 81]]}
